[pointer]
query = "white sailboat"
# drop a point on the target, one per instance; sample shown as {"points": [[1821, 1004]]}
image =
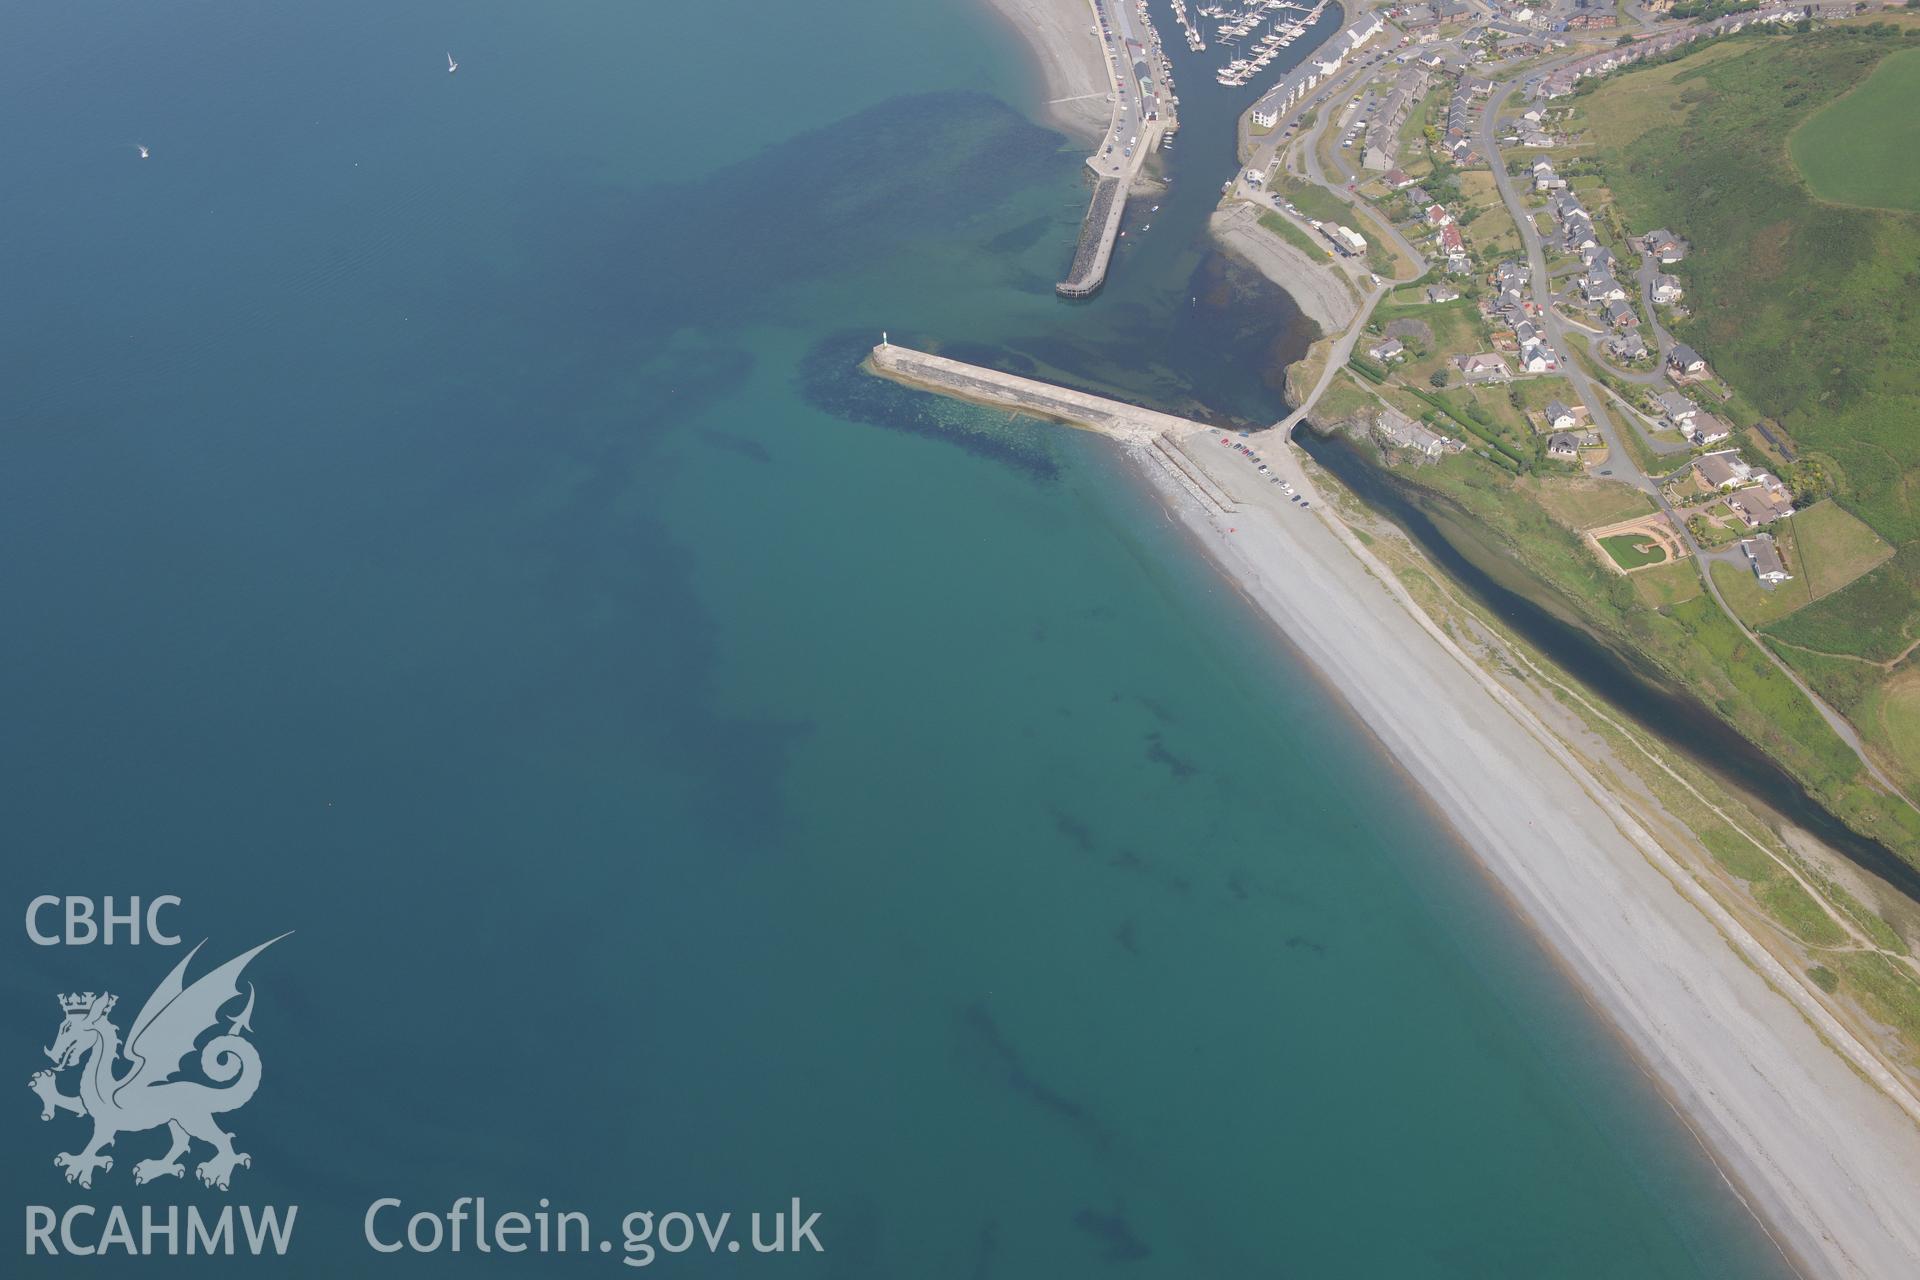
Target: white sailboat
{"points": [[452, 66], [141, 147]]}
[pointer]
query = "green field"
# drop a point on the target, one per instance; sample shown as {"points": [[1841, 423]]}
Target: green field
{"points": [[1875, 617], [1835, 547], [1587, 504], [1295, 235], [1312, 200], [1633, 550], [1860, 150]]}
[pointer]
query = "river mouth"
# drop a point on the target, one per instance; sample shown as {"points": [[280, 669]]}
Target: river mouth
{"points": [[1628, 683]]}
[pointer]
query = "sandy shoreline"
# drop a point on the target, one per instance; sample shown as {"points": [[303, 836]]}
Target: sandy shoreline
{"points": [[1830, 1162], [1058, 35], [1316, 288]]}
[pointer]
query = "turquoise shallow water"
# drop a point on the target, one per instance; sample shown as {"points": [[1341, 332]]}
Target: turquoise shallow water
{"points": [[442, 519]]}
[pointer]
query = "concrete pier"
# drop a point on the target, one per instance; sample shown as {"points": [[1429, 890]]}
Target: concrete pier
{"points": [[1113, 418]]}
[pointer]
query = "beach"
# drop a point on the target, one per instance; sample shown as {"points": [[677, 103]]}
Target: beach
{"points": [[1059, 35], [1815, 1132], [1316, 288]]}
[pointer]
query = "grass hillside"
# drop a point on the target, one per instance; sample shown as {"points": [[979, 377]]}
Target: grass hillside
{"points": [[1811, 309]]}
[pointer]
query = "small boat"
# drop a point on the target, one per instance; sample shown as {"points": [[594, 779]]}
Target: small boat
{"points": [[452, 66], [141, 147]]}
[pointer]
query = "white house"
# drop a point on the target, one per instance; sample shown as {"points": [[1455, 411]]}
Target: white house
{"points": [[1485, 367], [1706, 429]]}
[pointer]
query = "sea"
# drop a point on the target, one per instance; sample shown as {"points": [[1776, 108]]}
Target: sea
{"points": [[444, 530]]}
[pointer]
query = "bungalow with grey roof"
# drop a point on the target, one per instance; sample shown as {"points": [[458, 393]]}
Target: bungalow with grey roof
{"points": [[1628, 346], [1723, 470], [1621, 316], [1565, 206], [1442, 293], [1765, 558], [1684, 359], [1601, 287], [1389, 350], [1664, 245], [1564, 446], [1485, 367], [1667, 288], [1560, 417], [1762, 504], [1678, 409]]}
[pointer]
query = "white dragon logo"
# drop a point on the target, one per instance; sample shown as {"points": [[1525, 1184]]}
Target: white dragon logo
{"points": [[147, 1096]]}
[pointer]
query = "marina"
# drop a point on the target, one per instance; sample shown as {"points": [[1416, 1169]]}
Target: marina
{"points": [[1267, 27]]}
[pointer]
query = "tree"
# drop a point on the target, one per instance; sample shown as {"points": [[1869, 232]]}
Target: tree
{"points": [[1438, 377]]}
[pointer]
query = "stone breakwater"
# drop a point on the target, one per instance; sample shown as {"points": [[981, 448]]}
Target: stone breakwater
{"points": [[1097, 236]]}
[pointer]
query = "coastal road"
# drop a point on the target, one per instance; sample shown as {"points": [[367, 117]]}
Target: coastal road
{"points": [[1622, 463], [1336, 360], [1109, 159]]}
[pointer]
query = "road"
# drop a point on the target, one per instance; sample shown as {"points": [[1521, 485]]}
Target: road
{"points": [[1620, 462], [1110, 159], [1336, 361]]}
